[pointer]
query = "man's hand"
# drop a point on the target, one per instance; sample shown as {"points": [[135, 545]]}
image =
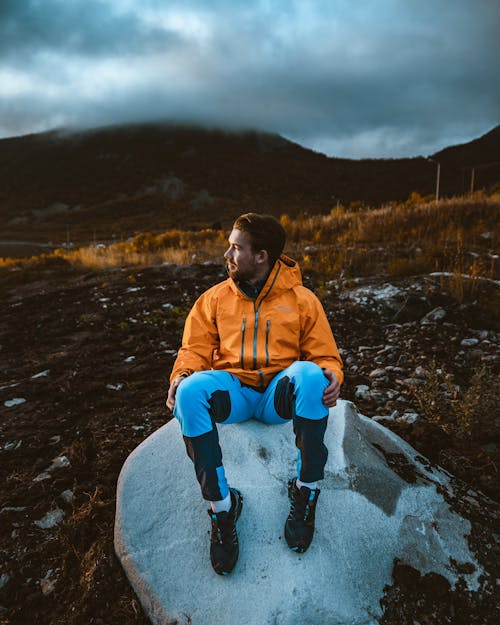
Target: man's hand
{"points": [[172, 391], [332, 391]]}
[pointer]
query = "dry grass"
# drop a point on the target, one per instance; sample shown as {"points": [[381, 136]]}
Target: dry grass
{"points": [[415, 237], [468, 415], [455, 236]]}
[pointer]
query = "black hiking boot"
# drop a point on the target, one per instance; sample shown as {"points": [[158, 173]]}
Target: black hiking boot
{"points": [[224, 549], [299, 526]]}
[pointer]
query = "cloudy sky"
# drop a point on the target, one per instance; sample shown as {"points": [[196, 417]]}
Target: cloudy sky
{"points": [[353, 78]]}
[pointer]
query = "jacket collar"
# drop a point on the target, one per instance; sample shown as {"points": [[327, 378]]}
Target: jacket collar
{"points": [[284, 275]]}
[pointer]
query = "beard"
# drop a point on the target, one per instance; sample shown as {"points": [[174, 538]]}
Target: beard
{"points": [[240, 274]]}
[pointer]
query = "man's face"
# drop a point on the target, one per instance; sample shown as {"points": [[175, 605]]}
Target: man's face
{"points": [[240, 260]]}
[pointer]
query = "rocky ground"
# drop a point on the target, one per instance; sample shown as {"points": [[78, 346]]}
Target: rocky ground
{"points": [[85, 361]]}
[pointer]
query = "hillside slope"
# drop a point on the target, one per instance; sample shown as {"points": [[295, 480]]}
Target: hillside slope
{"points": [[113, 182]]}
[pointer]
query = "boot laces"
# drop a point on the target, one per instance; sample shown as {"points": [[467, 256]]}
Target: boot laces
{"points": [[222, 531], [301, 507]]}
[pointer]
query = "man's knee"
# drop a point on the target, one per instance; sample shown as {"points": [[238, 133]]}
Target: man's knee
{"points": [[199, 404], [305, 370], [301, 378], [190, 390]]}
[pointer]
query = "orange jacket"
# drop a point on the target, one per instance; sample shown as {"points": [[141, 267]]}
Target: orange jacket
{"points": [[256, 339]]}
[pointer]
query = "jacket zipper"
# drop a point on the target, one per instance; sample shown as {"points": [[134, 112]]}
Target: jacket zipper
{"points": [[255, 327], [268, 326], [243, 326]]}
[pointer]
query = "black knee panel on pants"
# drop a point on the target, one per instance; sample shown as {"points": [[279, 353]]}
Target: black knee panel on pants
{"points": [[309, 435], [205, 452], [220, 406], [284, 398]]}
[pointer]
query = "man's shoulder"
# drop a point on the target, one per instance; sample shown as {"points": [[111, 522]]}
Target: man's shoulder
{"points": [[221, 288], [303, 293]]}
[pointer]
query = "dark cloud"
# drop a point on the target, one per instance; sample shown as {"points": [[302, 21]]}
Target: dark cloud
{"points": [[355, 79], [77, 27]]}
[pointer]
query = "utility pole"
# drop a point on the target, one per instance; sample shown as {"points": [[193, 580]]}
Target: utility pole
{"points": [[438, 177]]}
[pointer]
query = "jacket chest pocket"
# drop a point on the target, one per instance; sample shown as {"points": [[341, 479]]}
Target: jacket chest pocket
{"points": [[235, 333], [281, 337]]}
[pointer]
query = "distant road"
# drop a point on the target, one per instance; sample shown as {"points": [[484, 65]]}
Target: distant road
{"points": [[21, 249]]}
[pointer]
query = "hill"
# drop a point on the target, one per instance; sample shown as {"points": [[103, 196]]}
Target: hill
{"points": [[113, 182]]}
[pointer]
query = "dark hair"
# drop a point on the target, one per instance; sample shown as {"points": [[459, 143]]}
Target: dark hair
{"points": [[266, 233]]}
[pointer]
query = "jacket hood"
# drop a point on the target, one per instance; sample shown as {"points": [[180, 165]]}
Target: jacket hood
{"points": [[284, 275]]}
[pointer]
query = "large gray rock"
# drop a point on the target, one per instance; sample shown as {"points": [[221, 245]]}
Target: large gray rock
{"points": [[380, 502]]}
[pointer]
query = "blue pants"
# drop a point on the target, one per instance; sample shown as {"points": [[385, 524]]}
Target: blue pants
{"points": [[206, 398]]}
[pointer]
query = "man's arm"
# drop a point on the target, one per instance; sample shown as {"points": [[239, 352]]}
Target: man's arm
{"points": [[172, 391], [199, 340], [332, 391], [318, 345]]}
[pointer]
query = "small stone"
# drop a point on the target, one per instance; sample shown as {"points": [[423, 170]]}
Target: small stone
{"points": [[409, 417], [13, 509], [420, 372], [67, 495], [42, 374], [12, 445], [310, 249], [51, 519], [435, 315], [48, 584], [471, 342], [44, 475], [489, 358], [61, 462], [362, 392], [53, 440], [386, 417], [413, 382], [4, 579], [16, 401], [114, 387], [378, 373], [377, 396]]}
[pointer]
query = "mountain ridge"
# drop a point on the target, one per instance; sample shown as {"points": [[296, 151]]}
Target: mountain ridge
{"points": [[118, 180]]}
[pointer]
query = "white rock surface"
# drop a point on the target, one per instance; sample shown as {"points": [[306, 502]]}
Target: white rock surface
{"points": [[367, 516]]}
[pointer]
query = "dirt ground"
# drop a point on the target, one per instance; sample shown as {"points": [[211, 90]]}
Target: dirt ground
{"points": [[85, 362]]}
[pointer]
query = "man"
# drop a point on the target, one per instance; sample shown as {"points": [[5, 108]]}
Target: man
{"points": [[257, 345]]}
